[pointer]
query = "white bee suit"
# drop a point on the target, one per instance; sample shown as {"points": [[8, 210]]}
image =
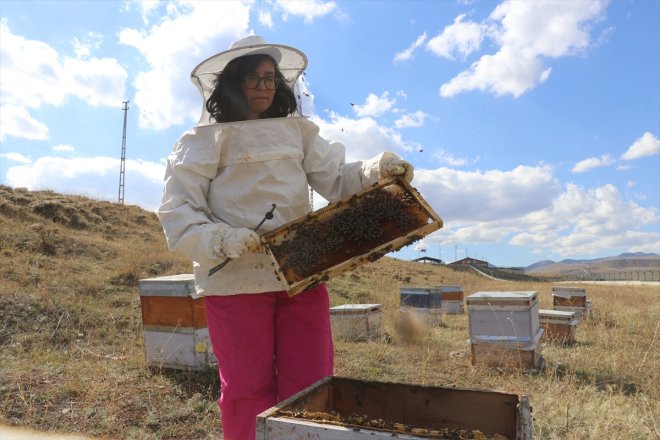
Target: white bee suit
{"points": [[229, 174]]}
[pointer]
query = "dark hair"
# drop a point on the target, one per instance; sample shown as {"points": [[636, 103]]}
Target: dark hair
{"points": [[227, 102]]}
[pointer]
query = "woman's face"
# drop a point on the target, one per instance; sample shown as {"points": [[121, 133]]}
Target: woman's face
{"points": [[259, 96]]}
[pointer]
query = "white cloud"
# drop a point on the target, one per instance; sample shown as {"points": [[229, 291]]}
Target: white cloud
{"points": [[15, 157], [646, 145], [528, 207], [189, 33], [415, 120], [34, 74], [93, 177], [363, 138], [374, 105], [90, 43], [309, 9], [63, 147], [593, 162], [587, 221], [265, 19], [449, 159], [486, 196], [527, 32], [460, 38], [146, 7], [407, 54], [17, 122]]}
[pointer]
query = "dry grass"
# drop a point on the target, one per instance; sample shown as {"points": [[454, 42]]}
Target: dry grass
{"points": [[71, 355]]}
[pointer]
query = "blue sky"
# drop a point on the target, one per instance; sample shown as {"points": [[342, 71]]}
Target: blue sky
{"points": [[533, 126]]}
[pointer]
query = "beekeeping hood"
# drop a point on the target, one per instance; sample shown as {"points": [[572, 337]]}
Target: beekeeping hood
{"points": [[290, 61]]}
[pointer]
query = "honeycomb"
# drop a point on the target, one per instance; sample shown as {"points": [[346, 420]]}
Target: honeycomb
{"points": [[364, 421], [346, 230]]}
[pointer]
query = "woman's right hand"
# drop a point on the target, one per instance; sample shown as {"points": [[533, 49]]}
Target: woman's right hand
{"points": [[239, 241]]}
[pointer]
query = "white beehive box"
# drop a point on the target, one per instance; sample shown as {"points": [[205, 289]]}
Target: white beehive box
{"points": [[569, 296], [589, 308], [174, 323], [558, 325], [356, 322], [425, 408], [512, 316], [422, 304], [420, 297], [508, 354], [452, 299]]}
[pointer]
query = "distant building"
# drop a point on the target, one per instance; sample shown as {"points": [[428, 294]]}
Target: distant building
{"points": [[470, 262], [428, 260]]}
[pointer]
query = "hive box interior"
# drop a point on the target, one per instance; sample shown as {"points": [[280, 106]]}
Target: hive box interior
{"points": [[344, 235], [423, 406]]}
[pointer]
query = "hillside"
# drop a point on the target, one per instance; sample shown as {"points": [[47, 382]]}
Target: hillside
{"points": [[621, 263], [71, 347]]}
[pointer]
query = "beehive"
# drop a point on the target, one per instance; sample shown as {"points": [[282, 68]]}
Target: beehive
{"points": [[344, 235], [504, 329], [508, 354], [452, 299], [589, 308], [332, 408], [420, 297], [174, 323], [356, 322], [570, 299], [503, 315], [558, 325], [423, 304]]}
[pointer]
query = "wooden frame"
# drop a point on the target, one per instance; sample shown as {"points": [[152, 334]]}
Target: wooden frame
{"points": [[344, 235]]}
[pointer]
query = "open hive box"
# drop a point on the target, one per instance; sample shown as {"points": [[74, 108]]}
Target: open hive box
{"points": [[344, 235], [345, 408]]}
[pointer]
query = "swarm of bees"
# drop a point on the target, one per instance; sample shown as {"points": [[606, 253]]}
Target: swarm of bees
{"points": [[355, 227], [363, 421]]}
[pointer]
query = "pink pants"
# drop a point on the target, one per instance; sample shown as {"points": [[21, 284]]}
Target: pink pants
{"points": [[269, 346]]}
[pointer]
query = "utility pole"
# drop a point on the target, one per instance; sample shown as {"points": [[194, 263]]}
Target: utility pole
{"points": [[122, 166]]}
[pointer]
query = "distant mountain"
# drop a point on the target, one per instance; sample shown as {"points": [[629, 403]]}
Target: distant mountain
{"points": [[625, 262], [539, 265]]}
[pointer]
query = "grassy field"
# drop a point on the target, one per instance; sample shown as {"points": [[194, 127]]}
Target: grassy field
{"points": [[71, 348]]}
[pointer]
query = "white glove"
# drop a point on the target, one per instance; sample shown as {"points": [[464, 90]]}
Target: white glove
{"points": [[393, 166], [239, 241]]}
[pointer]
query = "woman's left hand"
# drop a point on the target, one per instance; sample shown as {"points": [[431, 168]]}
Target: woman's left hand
{"points": [[399, 167]]}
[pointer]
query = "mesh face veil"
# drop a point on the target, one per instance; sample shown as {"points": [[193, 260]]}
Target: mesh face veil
{"points": [[290, 61]]}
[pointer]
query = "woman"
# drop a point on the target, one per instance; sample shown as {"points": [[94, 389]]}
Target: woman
{"points": [[247, 153]]}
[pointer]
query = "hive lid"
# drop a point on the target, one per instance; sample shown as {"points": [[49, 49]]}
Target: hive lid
{"points": [[576, 291], [354, 309], [415, 290], [521, 342], [170, 285], [556, 313], [502, 297], [450, 288]]}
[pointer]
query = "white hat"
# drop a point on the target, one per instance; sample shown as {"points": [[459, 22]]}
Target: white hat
{"points": [[290, 61]]}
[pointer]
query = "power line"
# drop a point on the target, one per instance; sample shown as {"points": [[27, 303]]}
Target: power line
{"points": [[122, 166]]}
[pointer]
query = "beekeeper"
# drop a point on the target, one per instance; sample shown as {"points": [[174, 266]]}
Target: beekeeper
{"points": [[252, 149]]}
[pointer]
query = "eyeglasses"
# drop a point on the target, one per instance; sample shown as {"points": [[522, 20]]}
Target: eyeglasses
{"points": [[252, 81]]}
